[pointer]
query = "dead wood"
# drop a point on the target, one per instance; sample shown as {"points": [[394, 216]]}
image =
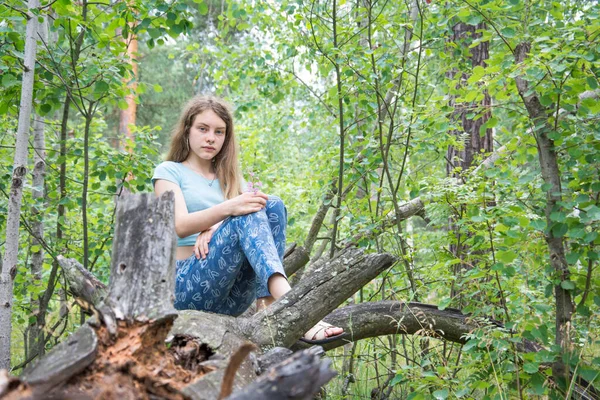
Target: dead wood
{"points": [[314, 297], [83, 285], [65, 360], [381, 318], [299, 377]]}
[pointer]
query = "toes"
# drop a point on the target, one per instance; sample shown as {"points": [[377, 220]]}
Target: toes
{"points": [[333, 331]]}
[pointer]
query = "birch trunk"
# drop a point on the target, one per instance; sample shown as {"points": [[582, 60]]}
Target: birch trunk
{"points": [[9, 264]]}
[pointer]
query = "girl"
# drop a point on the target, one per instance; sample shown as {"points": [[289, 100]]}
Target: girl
{"points": [[230, 242]]}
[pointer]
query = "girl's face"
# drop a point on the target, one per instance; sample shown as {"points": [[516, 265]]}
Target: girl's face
{"points": [[207, 135]]}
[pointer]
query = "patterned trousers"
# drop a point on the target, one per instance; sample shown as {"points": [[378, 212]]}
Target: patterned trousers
{"points": [[242, 254]]}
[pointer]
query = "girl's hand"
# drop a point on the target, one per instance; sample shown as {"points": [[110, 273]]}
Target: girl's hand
{"points": [[247, 203], [202, 241]]}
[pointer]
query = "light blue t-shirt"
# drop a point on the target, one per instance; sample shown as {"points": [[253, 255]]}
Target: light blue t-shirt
{"points": [[199, 193]]}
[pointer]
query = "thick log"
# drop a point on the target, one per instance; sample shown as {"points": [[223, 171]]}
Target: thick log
{"points": [[314, 297], [299, 377], [65, 360]]}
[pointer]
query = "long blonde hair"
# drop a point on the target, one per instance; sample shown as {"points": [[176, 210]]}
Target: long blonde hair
{"points": [[226, 162]]}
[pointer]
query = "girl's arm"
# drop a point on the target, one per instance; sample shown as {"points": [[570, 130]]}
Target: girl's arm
{"points": [[187, 223]]}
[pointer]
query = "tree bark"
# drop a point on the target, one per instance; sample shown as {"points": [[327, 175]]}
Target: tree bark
{"points": [[461, 159], [121, 351], [11, 247], [298, 377], [36, 337]]}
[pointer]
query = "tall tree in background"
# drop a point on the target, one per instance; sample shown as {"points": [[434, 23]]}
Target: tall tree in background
{"points": [[471, 138], [127, 116]]}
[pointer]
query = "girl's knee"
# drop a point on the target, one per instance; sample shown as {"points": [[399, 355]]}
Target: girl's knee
{"points": [[276, 204]]}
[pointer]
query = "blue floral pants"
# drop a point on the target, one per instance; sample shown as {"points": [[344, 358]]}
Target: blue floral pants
{"points": [[242, 254]]}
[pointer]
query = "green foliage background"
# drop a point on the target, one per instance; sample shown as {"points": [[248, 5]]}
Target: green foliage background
{"points": [[291, 76]]}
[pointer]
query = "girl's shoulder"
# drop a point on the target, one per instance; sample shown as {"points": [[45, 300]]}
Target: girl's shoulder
{"points": [[169, 164], [168, 170]]}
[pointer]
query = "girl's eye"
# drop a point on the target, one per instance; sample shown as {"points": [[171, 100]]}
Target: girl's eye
{"points": [[220, 132]]}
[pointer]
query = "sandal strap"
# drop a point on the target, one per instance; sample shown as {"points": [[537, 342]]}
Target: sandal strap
{"points": [[321, 326]]}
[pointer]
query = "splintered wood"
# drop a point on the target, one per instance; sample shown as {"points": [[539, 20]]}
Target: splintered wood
{"points": [[137, 365]]}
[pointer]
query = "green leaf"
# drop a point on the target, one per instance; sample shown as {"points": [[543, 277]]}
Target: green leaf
{"points": [[444, 303], [469, 345], [154, 33], [45, 108], [538, 224], [592, 82], [531, 368], [546, 100], [158, 88], [537, 384], [441, 394], [506, 256], [592, 213], [123, 104], [508, 32], [567, 285], [415, 396], [203, 8], [396, 379], [590, 237], [559, 229], [572, 257], [589, 374], [9, 80]]}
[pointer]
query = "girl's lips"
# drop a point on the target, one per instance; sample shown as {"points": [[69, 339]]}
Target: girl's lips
{"points": [[209, 148]]}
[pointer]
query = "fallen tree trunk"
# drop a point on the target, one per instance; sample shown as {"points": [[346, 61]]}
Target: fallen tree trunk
{"points": [[381, 318]]}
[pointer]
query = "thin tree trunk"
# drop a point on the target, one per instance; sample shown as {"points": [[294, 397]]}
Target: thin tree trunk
{"points": [[340, 184], [9, 264], [35, 333], [86, 169], [551, 176]]}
